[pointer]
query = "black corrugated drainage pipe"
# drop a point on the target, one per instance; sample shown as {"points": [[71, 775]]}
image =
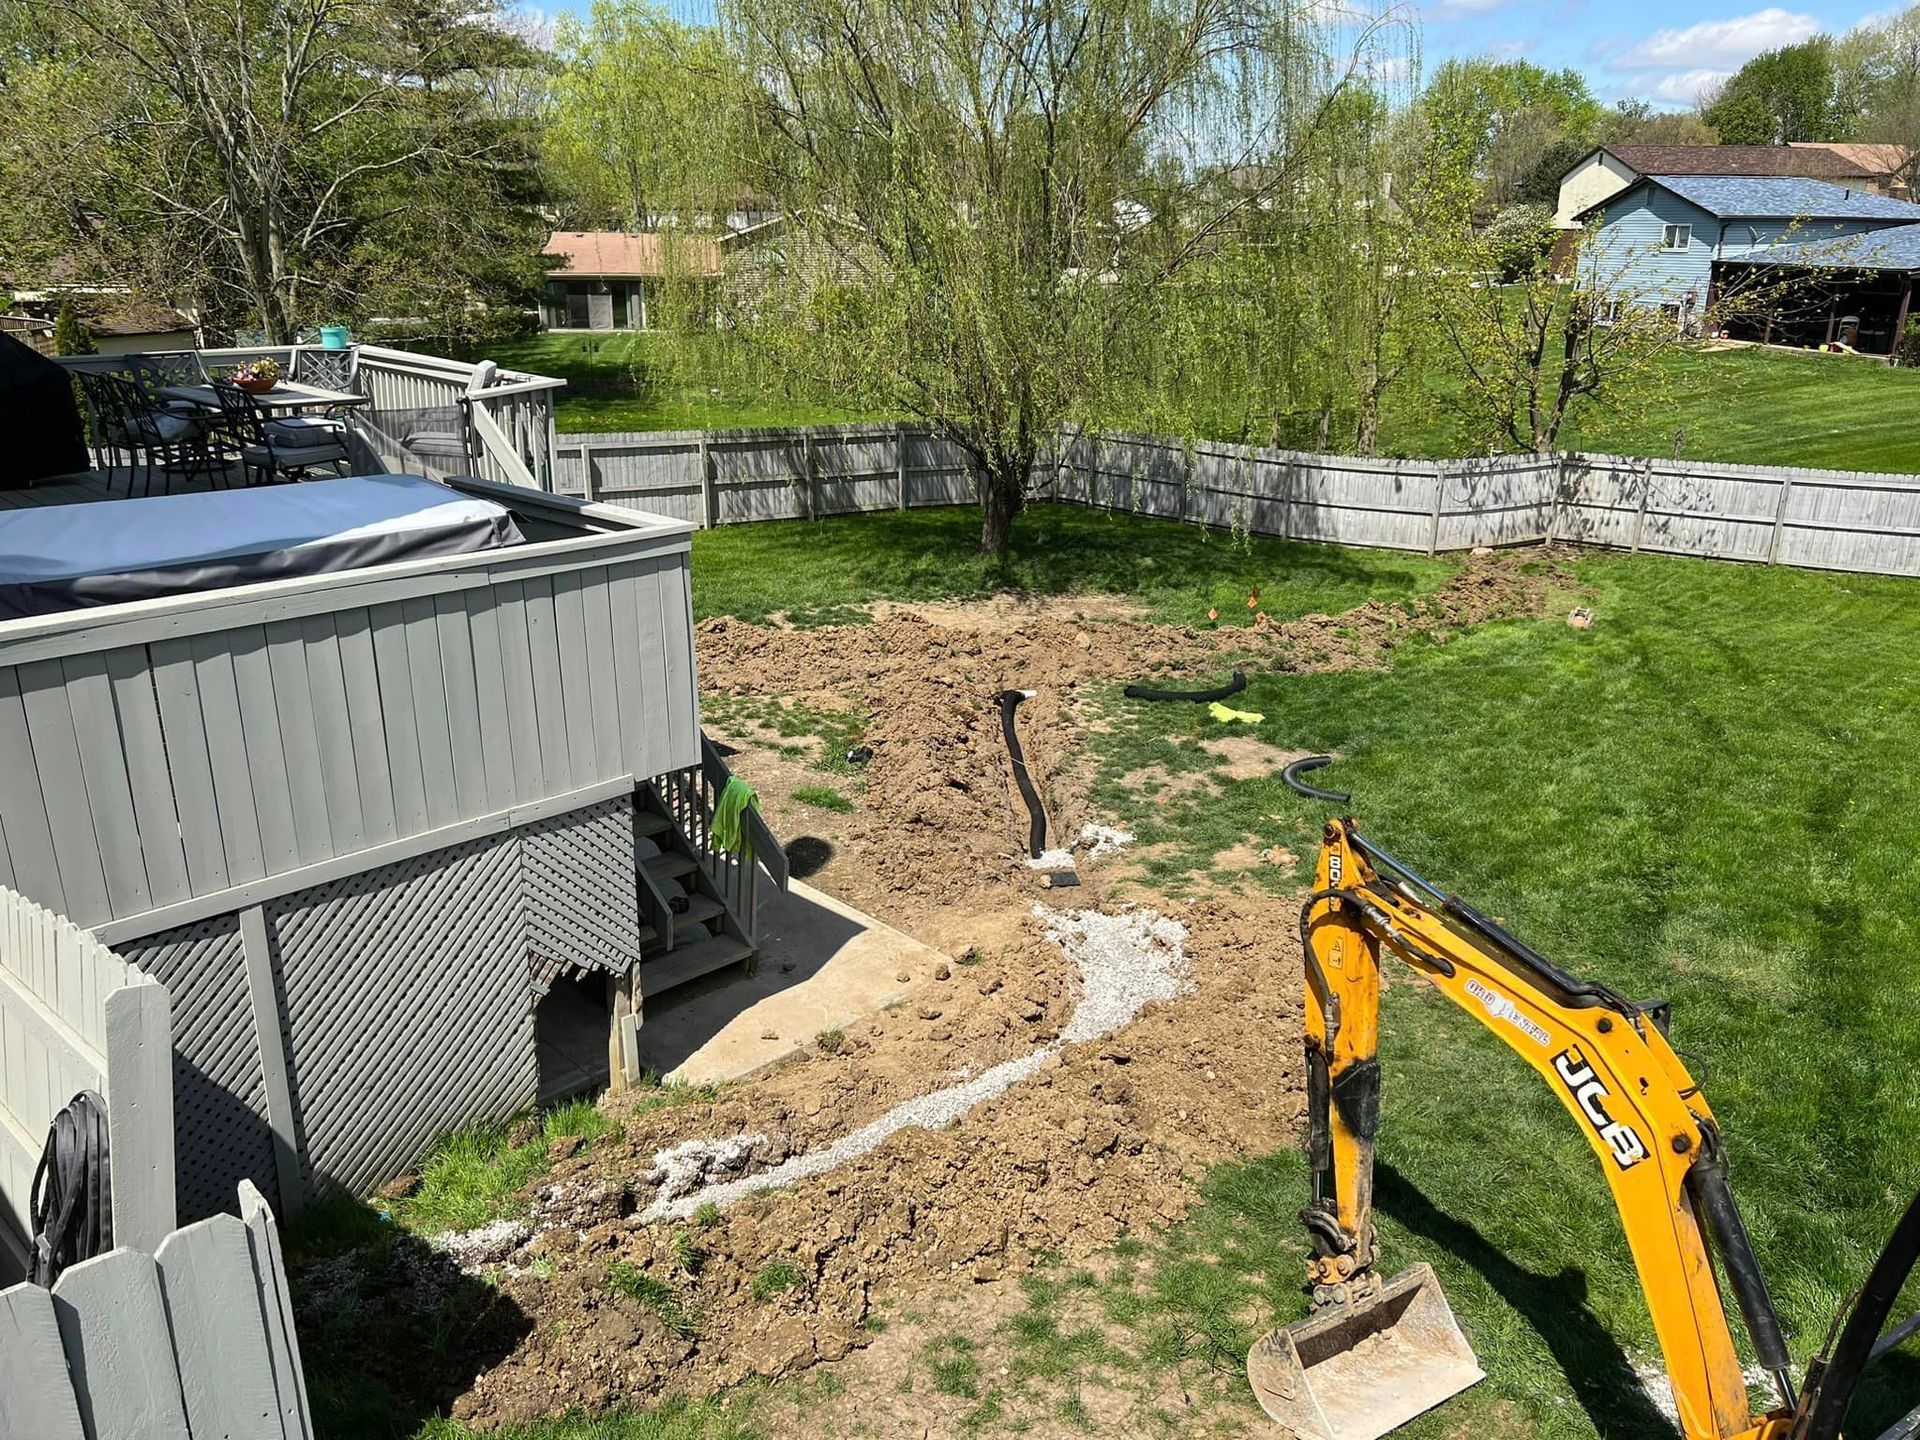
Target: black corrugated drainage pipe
{"points": [[1037, 817]]}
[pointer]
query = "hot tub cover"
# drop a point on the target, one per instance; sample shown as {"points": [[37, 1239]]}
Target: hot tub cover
{"points": [[63, 557]]}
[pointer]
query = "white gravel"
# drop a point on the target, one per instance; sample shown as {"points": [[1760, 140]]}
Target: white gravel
{"points": [[686, 1167], [1124, 960], [483, 1246], [1052, 860], [1100, 841]]}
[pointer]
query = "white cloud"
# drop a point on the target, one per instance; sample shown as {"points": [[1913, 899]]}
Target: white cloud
{"points": [[1718, 44], [1682, 87]]}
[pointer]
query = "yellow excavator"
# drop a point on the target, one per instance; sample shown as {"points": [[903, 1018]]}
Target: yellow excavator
{"points": [[1372, 1353]]}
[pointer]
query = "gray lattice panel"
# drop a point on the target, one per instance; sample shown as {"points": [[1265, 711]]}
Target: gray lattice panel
{"points": [[219, 1094], [407, 1007], [583, 908]]}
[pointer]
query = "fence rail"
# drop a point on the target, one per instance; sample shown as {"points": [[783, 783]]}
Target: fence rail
{"points": [[188, 1339], [75, 1016], [1823, 519]]}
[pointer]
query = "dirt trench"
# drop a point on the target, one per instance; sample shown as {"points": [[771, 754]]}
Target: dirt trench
{"points": [[1104, 1138]]}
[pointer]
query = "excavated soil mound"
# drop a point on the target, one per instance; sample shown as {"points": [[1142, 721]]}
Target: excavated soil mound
{"points": [[941, 817], [586, 1304], [1109, 1136]]}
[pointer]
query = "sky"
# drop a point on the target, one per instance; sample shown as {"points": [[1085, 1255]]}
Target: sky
{"points": [[1661, 51]]}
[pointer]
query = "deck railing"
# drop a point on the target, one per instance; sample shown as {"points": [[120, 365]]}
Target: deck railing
{"points": [[690, 796], [500, 422]]}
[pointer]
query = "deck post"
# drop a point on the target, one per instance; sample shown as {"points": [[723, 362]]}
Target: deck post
{"points": [[257, 952], [623, 1037]]}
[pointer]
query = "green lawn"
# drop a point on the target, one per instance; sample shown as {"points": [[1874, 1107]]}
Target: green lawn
{"points": [[1749, 406], [817, 572], [1708, 797], [619, 381]]}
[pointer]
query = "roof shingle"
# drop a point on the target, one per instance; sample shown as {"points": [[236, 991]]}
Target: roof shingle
{"points": [[1813, 161]]}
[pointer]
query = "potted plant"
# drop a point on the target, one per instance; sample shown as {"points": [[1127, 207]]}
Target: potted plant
{"points": [[256, 377]]}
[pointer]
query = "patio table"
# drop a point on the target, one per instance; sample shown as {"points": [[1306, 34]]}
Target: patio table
{"points": [[288, 395]]}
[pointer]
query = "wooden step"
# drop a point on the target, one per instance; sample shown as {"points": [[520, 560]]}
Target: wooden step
{"points": [[690, 962], [700, 909], [670, 867], [649, 823]]}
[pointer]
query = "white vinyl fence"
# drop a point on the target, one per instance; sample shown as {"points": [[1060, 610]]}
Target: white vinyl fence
{"points": [[1823, 519], [190, 1340], [75, 1016]]}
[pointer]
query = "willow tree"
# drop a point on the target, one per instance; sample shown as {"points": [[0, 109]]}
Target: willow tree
{"points": [[633, 128], [991, 206]]}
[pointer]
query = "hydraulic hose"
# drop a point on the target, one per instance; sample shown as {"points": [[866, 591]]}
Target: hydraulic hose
{"points": [[1832, 1380], [1036, 816], [1713, 1195], [1201, 697]]}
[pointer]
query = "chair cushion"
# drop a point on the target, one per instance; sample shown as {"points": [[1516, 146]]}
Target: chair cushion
{"points": [[293, 456], [435, 442], [162, 427], [304, 430]]}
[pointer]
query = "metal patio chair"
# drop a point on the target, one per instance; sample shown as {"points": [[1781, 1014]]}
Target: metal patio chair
{"points": [[329, 370], [124, 420], [271, 449]]}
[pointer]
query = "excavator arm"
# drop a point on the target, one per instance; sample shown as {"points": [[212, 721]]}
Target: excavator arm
{"points": [[1608, 1061]]}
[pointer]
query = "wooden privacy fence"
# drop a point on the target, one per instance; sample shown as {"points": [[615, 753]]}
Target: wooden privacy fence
{"points": [[729, 477], [75, 1016], [189, 1341], [1825, 519]]}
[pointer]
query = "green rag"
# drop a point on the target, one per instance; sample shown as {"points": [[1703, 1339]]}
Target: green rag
{"points": [[728, 833], [1245, 717]]}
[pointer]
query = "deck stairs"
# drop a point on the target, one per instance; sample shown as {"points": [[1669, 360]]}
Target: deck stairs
{"points": [[698, 904]]}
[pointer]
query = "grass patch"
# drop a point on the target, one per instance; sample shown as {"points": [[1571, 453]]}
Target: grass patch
{"points": [[823, 797], [774, 1278], [1702, 798], [673, 1420], [476, 1174], [819, 572], [817, 737], [954, 1367], [665, 1301], [621, 382], [831, 1041]]}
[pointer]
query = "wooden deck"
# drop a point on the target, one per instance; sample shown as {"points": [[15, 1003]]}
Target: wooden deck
{"points": [[92, 485]]}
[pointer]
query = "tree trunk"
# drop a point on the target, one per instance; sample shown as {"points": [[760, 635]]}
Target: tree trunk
{"points": [[1003, 496]]}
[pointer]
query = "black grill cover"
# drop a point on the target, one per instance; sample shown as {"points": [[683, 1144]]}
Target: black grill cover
{"points": [[40, 433]]}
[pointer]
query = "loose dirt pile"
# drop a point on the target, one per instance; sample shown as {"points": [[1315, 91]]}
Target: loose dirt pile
{"points": [[942, 818], [1066, 1136], [1107, 1136]]}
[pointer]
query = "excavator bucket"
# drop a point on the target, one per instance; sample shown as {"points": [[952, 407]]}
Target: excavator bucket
{"points": [[1356, 1371]]}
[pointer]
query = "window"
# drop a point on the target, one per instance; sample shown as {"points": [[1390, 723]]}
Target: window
{"points": [[1676, 237]]}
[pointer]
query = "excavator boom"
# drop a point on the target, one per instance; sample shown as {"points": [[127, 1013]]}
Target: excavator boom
{"points": [[1370, 1356]]}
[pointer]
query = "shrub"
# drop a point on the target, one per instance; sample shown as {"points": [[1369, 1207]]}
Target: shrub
{"points": [[70, 337], [1910, 342]]}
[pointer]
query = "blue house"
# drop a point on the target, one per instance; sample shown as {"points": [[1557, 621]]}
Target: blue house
{"points": [[1670, 240]]}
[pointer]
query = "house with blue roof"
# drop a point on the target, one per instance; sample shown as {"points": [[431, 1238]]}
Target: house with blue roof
{"points": [[1676, 240]]}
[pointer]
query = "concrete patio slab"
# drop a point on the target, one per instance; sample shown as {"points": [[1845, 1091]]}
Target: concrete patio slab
{"points": [[823, 966]]}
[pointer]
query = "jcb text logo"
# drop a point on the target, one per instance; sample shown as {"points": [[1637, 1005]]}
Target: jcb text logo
{"points": [[1625, 1143]]}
